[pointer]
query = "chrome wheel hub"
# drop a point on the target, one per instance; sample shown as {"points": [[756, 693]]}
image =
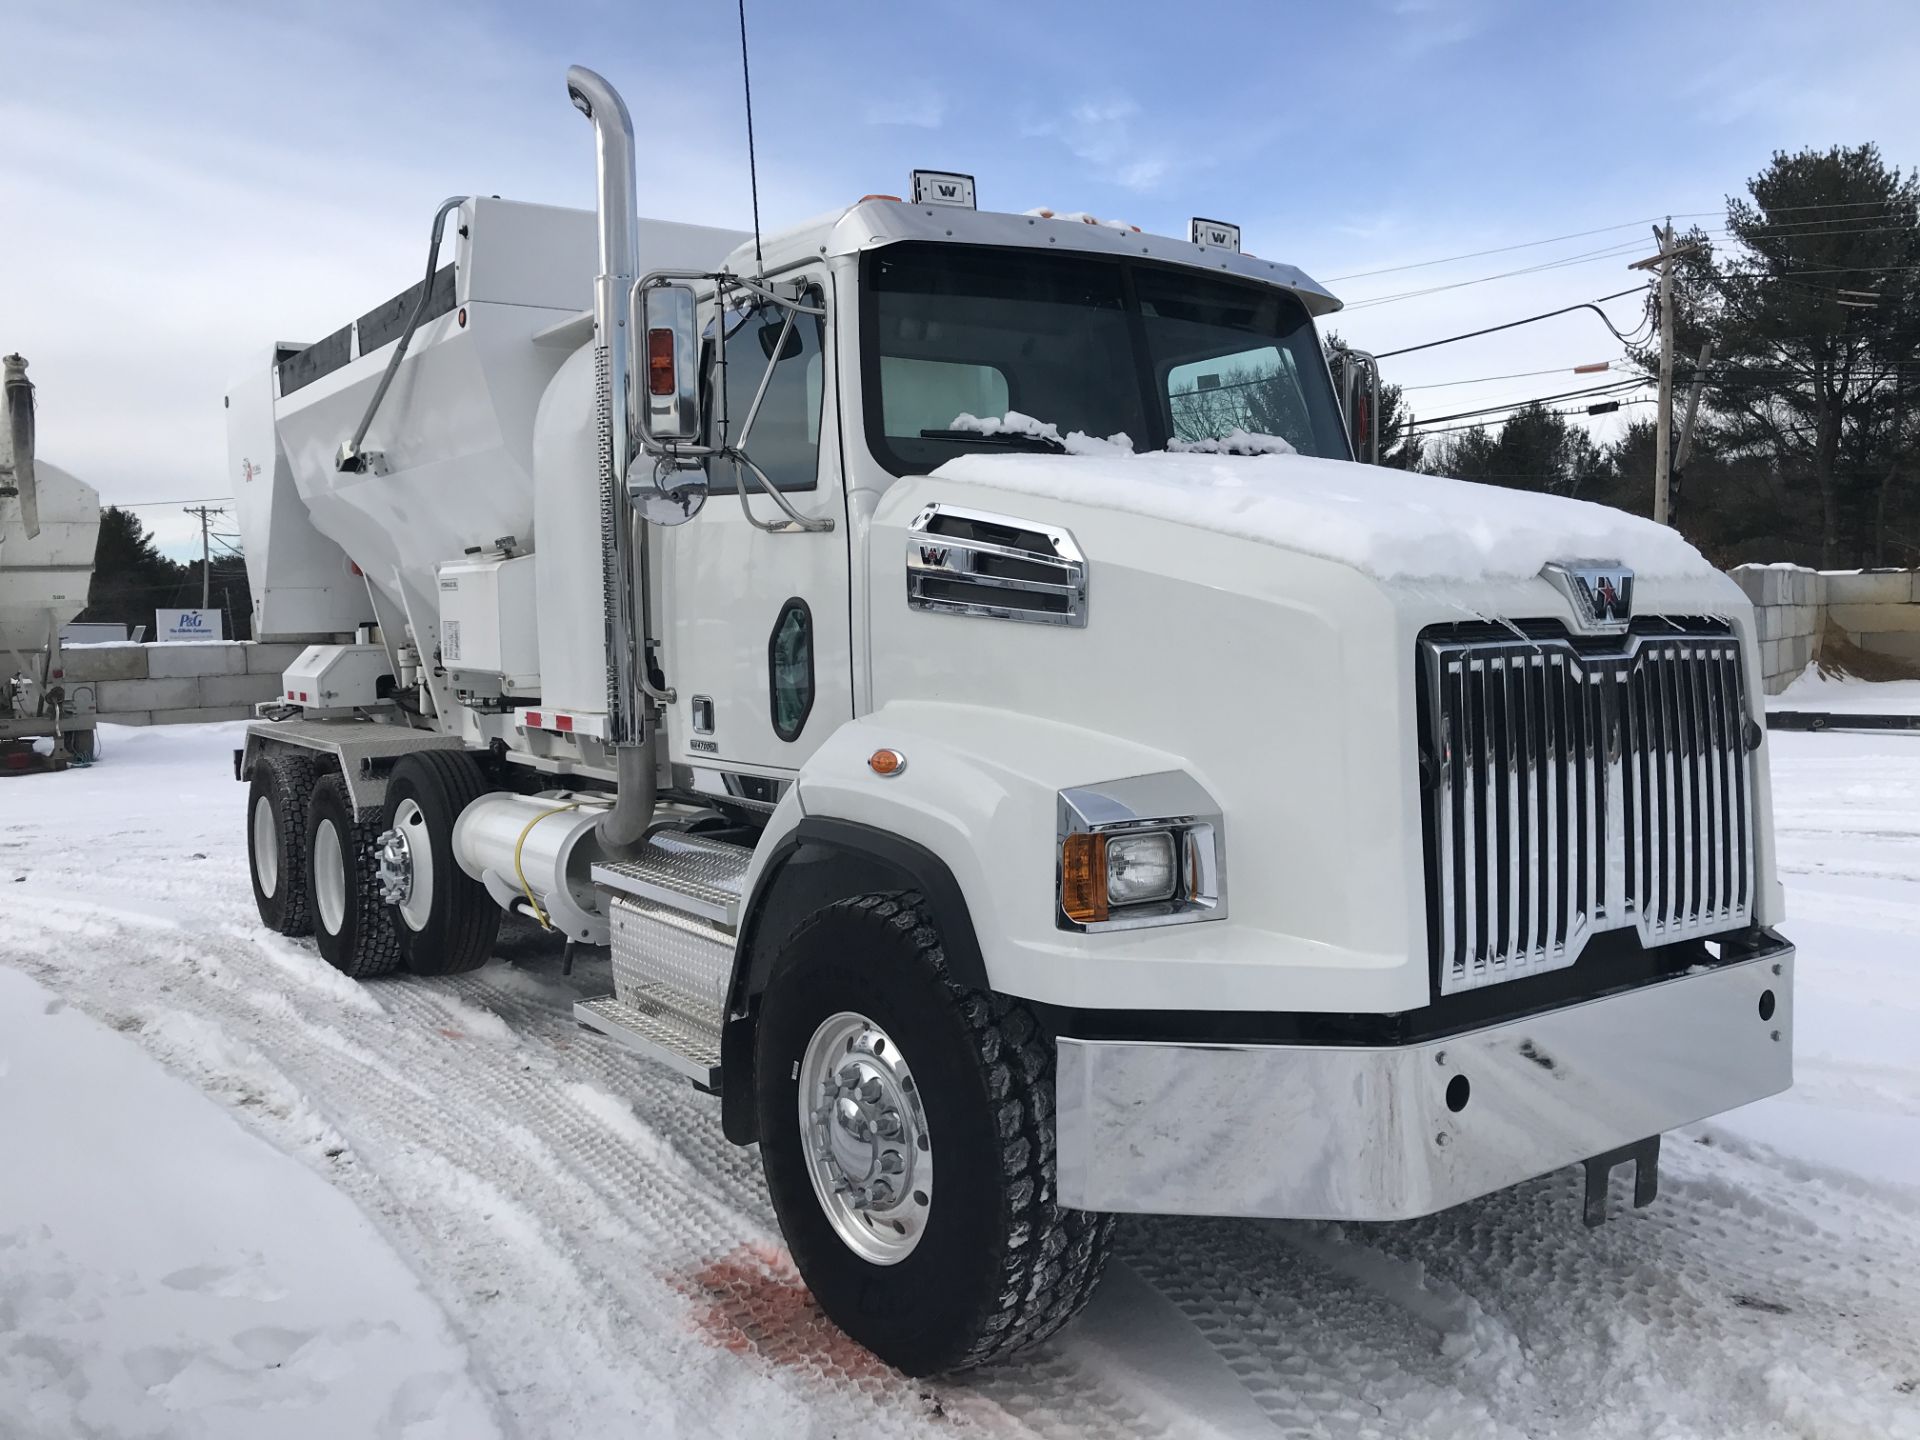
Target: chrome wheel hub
{"points": [[394, 867], [865, 1130], [405, 866]]}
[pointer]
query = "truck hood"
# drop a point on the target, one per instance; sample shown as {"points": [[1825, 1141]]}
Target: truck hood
{"points": [[1391, 525]]}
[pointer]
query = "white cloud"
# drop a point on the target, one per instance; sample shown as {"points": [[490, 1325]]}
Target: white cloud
{"points": [[1106, 135], [921, 110]]}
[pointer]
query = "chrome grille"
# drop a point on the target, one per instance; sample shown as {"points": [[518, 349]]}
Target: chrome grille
{"points": [[1574, 793]]}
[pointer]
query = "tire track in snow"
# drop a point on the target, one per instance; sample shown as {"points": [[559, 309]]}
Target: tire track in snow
{"points": [[1757, 1296]]}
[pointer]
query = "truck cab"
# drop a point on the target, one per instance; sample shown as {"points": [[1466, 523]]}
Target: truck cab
{"points": [[1019, 755]]}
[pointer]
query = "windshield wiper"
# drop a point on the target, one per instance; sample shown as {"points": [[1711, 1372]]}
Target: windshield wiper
{"points": [[1006, 439]]}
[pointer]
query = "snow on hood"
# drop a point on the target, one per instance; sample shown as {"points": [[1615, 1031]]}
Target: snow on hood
{"points": [[1389, 524]]}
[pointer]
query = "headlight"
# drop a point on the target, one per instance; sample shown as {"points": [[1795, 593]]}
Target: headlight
{"points": [[1137, 852], [1140, 867]]}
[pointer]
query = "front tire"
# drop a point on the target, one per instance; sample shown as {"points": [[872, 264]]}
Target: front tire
{"points": [[352, 925], [961, 1273], [447, 922], [277, 841]]}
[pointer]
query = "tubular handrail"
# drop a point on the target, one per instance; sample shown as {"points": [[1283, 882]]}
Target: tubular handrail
{"points": [[351, 458]]}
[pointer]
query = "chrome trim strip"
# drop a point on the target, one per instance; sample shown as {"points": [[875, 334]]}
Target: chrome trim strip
{"points": [[935, 560]]}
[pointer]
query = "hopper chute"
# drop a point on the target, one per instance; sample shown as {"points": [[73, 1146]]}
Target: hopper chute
{"points": [[17, 475]]}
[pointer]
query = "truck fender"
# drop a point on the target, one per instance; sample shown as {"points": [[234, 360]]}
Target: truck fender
{"points": [[969, 822]]}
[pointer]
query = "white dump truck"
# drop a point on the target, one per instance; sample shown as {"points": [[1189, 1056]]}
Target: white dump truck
{"points": [[1019, 759], [49, 527]]}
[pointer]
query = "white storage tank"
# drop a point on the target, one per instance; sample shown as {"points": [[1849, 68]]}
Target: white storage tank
{"points": [[49, 528]]}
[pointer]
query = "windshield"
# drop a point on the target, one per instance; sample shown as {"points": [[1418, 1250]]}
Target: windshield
{"points": [[1106, 347]]}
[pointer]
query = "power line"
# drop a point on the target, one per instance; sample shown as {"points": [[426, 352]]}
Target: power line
{"points": [[153, 504], [1517, 375], [1593, 305], [1590, 257], [1481, 425], [1496, 250], [1617, 387]]}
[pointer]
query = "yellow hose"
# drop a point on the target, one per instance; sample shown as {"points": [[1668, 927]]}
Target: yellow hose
{"points": [[521, 875]]}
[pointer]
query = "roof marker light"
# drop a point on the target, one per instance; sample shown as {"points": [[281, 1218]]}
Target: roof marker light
{"points": [[943, 187], [1217, 233]]}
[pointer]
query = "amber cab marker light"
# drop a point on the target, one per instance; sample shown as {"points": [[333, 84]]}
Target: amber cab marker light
{"points": [[886, 763], [865, 198], [1083, 878], [660, 362]]}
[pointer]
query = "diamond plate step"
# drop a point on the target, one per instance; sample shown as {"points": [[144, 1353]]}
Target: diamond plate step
{"points": [[660, 1035], [688, 873]]}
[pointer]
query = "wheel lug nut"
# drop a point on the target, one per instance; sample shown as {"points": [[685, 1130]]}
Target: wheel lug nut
{"points": [[888, 1124], [880, 1193], [870, 1091], [891, 1162]]}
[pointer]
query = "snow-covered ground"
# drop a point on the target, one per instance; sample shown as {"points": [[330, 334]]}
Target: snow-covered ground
{"points": [[240, 1195]]}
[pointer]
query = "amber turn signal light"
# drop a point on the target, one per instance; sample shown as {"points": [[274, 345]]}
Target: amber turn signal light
{"points": [[660, 362], [1083, 878], [886, 762]]}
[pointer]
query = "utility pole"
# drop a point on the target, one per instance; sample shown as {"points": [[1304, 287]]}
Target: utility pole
{"points": [[206, 550], [1663, 444], [1681, 450]]}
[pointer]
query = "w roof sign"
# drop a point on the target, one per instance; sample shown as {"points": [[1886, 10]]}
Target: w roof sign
{"points": [[942, 187], [1217, 233]]}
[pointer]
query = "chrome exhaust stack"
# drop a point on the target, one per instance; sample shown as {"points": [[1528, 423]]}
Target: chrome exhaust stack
{"points": [[630, 719]]}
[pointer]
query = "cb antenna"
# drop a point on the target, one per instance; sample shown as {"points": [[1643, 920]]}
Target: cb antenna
{"points": [[753, 173]]}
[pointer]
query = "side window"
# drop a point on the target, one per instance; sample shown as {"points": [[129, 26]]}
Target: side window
{"points": [[785, 441], [1256, 390], [790, 669]]}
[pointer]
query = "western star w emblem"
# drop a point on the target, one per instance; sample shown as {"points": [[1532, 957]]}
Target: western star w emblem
{"points": [[935, 556], [1600, 591]]}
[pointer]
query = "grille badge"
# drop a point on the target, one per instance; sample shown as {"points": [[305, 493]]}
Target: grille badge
{"points": [[1600, 592]]}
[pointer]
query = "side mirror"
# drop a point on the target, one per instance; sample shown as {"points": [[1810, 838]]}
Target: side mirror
{"points": [[1356, 374], [665, 367]]}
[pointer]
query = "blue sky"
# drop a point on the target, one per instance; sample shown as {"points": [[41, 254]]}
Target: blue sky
{"points": [[183, 183]]}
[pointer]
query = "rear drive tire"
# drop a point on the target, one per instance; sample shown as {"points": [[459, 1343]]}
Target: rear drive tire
{"points": [[277, 840], [352, 925], [911, 1070], [448, 922], [79, 744]]}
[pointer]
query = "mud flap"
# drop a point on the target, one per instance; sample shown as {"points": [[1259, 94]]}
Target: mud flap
{"points": [[1645, 1155]]}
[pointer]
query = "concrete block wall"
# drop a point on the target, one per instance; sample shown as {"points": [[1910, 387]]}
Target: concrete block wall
{"points": [[180, 683], [1878, 609], [1789, 603]]}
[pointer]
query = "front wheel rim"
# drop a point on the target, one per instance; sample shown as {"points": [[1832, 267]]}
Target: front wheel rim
{"points": [[864, 1131], [330, 877], [266, 846]]}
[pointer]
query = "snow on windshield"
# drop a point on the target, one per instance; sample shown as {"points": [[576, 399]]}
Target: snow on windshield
{"points": [[1390, 524], [1074, 442], [1235, 442]]}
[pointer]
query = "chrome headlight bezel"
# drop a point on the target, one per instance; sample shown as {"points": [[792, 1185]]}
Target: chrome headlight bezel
{"points": [[1170, 801]]}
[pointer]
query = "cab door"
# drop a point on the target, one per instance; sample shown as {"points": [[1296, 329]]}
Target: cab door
{"points": [[756, 636]]}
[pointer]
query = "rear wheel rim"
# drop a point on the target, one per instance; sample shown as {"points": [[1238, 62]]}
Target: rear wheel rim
{"points": [[330, 877], [864, 1132], [411, 821], [266, 846]]}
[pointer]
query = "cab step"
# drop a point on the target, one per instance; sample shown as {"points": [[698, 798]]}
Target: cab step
{"points": [[673, 910], [690, 873]]}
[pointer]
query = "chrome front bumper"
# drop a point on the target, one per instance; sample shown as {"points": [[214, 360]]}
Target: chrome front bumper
{"points": [[1330, 1132]]}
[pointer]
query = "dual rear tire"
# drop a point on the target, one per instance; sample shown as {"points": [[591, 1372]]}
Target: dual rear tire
{"points": [[318, 870]]}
